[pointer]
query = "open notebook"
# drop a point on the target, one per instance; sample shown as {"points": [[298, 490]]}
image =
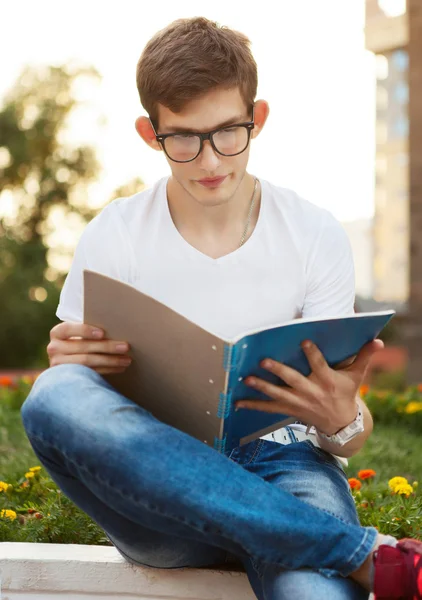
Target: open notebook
{"points": [[190, 378]]}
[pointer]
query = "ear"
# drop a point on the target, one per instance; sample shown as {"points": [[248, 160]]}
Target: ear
{"points": [[261, 112], [146, 131]]}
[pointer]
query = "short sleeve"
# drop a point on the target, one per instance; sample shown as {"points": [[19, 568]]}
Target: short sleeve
{"points": [[104, 247], [330, 273], [71, 298]]}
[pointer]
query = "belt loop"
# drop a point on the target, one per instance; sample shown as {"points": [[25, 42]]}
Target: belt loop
{"points": [[292, 436]]}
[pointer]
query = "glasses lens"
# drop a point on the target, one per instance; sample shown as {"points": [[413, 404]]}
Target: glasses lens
{"points": [[182, 147], [232, 140]]}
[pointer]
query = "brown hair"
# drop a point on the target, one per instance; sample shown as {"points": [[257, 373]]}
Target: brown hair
{"points": [[190, 57]]}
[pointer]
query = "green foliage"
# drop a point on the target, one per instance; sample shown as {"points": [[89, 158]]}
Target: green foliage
{"points": [[390, 408], [382, 506], [394, 381], [391, 450], [45, 515], [40, 173]]}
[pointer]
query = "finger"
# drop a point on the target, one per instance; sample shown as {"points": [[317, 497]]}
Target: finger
{"points": [[67, 329], [361, 363], [92, 360], [344, 363], [290, 376], [83, 346], [275, 392], [110, 370], [316, 360], [264, 406]]}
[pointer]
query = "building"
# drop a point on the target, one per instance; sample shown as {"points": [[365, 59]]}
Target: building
{"points": [[393, 31], [387, 35], [360, 235]]}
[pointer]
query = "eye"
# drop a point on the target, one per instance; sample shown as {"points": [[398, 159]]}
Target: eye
{"points": [[184, 136]]}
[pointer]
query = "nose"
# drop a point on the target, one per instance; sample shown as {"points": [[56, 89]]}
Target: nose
{"points": [[209, 159]]}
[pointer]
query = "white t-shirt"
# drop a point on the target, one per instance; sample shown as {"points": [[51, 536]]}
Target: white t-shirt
{"points": [[297, 262]]}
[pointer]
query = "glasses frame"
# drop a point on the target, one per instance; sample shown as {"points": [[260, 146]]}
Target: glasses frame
{"points": [[161, 137]]}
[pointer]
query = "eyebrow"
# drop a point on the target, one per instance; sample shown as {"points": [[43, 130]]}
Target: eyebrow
{"points": [[232, 121]]}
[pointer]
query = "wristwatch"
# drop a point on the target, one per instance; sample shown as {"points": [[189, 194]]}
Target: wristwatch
{"points": [[347, 433]]}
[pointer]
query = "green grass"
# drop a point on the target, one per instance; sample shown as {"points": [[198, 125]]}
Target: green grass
{"points": [[390, 451], [16, 454]]}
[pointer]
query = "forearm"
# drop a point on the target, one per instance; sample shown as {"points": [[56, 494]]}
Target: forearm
{"points": [[357, 443]]}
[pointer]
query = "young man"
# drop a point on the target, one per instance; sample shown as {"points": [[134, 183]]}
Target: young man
{"points": [[230, 252]]}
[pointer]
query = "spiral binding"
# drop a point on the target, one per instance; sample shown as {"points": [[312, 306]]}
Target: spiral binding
{"points": [[224, 406], [230, 357], [220, 445]]}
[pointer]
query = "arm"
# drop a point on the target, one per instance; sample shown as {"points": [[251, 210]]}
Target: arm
{"points": [[101, 248]]}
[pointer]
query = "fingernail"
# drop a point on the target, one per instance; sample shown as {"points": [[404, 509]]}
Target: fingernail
{"points": [[121, 347], [267, 364], [97, 333], [251, 382]]}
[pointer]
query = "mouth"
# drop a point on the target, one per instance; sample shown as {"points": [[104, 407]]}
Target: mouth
{"points": [[211, 182]]}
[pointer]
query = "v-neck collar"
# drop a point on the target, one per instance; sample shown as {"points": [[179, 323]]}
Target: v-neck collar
{"points": [[226, 257]]}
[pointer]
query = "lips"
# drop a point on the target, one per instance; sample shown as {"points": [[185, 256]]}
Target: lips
{"points": [[212, 181]]}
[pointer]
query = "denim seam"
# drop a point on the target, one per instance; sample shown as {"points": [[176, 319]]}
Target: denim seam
{"points": [[358, 549], [256, 558], [154, 510], [256, 453]]}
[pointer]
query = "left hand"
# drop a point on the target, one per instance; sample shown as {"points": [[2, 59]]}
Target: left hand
{"points": [[325, 399]]}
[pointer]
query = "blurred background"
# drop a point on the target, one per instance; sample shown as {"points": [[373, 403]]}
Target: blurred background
{"points": [[344, 82]]}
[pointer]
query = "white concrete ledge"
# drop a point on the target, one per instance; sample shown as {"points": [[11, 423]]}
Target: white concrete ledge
{"points": [[78, 572]]}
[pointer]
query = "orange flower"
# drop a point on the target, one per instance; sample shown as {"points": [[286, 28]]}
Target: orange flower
{"points": [[363, 390], [419, 387], [366, 474], [355, 484], [5, 381]]}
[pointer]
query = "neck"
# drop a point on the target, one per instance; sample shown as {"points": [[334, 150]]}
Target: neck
{"points": [[213, 229]]}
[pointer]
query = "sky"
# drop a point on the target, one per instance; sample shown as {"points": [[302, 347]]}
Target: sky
{"points": [[313, 70]]}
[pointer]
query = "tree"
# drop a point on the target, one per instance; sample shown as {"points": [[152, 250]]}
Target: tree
{"points": [[42, 173]]}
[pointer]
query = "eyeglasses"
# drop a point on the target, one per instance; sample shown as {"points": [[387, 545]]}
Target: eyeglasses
{"points": [[227, 141]]}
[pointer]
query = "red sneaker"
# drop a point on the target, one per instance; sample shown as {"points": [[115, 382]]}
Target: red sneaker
{"points": [[398, 571]]}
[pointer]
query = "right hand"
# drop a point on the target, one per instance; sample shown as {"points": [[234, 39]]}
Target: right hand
{"points": [[75, 343]]}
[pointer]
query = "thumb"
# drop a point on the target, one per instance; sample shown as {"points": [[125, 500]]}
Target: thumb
{"points": [[362, 360]]}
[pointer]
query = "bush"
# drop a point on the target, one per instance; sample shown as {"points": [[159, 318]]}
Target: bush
{"points": [[33, 509], [392, 408], [393, 507]]}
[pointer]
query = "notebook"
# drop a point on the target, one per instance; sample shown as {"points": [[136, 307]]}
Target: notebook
{"points": [[190, 378]]}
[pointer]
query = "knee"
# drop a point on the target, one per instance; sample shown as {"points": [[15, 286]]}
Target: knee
{"points": [[48, 395]]}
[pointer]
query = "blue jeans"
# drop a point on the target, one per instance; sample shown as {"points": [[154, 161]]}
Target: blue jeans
{"points": [[168, 500]]}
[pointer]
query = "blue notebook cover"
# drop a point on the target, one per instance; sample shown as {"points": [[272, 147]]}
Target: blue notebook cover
{"points": [[190, 378], [337, 338]]}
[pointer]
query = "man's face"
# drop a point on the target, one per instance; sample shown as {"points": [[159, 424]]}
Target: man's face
{"points": [[206, 114]]}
